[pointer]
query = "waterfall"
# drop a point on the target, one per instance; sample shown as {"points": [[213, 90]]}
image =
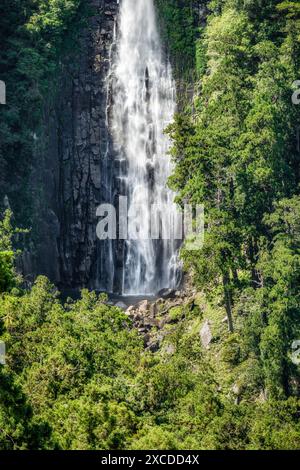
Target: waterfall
{"points": [[143, 101]]}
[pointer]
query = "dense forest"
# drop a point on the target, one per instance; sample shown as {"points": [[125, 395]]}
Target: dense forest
{"points": [[77, 374]]}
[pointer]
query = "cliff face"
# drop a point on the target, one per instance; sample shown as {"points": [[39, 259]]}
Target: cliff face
{"points": [[83, 141], [70, 179]]}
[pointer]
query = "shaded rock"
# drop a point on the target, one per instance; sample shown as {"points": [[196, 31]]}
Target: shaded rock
{"points": [[237, 392], [167, 293], [144, 306], [130, 310], [6, 203], [137, 317], [153, 309], [151, 322], [142, 330], [179, 293], [154, 345], [147, 338], [121, 305]]}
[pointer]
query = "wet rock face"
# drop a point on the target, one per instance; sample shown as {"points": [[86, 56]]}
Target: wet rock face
{"points": [[85, 175], [71, 171], [167, 293]]}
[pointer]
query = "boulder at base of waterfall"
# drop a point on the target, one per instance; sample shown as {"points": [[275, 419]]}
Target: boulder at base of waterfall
{"points": [[205, 334], [121, 305], [143, 307], [167, 294], [130, 311]]}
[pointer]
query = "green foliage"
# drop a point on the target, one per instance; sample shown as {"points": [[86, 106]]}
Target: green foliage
{"points": [[276, 429], [175, 313], [232, 350], [201, 58], [77, 377], [238, 155], [87, 361], [8, 277], [179, 27], [34, 35]]}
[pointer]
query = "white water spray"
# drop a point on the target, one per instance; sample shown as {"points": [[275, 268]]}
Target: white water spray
{"points": [[143, 92]]}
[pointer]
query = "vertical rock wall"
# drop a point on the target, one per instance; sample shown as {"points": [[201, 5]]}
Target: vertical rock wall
{"points": [[82, 146], [68, 181]]}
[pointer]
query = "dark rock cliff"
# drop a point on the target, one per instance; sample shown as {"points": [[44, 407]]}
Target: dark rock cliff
{"points": [[83, 140], [67, 181]]}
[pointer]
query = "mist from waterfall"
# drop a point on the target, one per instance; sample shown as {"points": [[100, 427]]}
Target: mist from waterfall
{"points": [[143, 104]]}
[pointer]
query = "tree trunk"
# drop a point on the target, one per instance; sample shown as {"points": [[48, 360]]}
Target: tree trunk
{"points": [[228, 301], [253, 257]]}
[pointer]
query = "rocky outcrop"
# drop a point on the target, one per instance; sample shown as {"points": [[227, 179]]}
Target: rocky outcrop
{"points": [[151, 317]]}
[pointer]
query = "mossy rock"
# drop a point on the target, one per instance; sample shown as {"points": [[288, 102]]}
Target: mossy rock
{"points": [[175, 314], [200, 300]]}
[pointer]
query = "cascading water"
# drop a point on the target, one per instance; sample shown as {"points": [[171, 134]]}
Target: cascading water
{"points": [[142, 94]]}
